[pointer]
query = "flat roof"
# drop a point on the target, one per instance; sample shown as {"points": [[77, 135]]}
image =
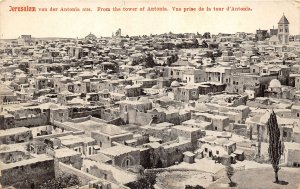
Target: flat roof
{"points": [[65, 152], [13, 131], [112, 130], [93, 126], [175, 144], [196, 122], [38, 158], [118, 150], [292, 145], [73, 139], [185, 128], [99, 158], [5, 148], [211, 115]]}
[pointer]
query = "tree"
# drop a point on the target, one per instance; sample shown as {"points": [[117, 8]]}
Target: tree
{"points": [[149, 61], [275, 146], [195, 43], [63, 181], [204, 44], [229, 172], [194, 187], [206, 35], [146, 181]]}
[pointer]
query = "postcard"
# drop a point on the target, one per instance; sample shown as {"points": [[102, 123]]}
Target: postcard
{"points": [[150, 94]]}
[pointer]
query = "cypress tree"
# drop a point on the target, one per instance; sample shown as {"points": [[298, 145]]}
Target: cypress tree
{"points": [[275, 146]]}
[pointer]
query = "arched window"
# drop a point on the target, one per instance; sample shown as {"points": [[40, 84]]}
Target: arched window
{"points": [[127, 162]]}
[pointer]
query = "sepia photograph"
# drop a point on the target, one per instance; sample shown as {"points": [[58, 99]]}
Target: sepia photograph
{"points": [[150, 94]]}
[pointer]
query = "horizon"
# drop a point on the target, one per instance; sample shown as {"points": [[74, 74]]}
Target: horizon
{"points": [[98, 37], [264, 16]]}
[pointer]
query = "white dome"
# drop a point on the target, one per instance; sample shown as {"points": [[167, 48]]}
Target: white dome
{"points": [[5, 91], [144, 99], [275, 83], [175, 84], [155, 87]]}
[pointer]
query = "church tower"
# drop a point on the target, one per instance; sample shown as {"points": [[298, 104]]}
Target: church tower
{"points": [[283, 30]]}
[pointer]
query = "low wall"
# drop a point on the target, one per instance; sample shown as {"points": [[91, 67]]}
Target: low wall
{"points": [[78, 120], [83, 177], [41, 138], [97, 120], [117, 121], [65, 126], [160, 170]]}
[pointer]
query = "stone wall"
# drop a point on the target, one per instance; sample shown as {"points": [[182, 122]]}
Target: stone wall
{"points": [[42, 119], [171, 155], [145, 158], [7, 122], [75, 161], [108, 115], [293, 156], [94, 113], [64, 126], [83, 177], [28, 175], [65, 133]]}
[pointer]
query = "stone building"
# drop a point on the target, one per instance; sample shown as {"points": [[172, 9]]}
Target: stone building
{"points": [[15, 135], [123, 156], [84, 145], [29, 173], [212, 146], [106, 134], [283, 30], [292, 154]]}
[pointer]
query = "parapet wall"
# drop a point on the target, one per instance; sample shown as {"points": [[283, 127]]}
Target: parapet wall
{"points": [[83, 177]]}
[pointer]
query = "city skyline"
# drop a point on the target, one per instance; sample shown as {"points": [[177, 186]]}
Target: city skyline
{"points": [[74, 24]]}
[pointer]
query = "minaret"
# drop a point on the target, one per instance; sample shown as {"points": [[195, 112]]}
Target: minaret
{"points": [[283, 30]]}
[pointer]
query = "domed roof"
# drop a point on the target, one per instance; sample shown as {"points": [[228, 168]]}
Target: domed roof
{"points": [[274, 38], [210, 138], [265, 118], [144, 99], [128, 87], [64, 79], [5, 91], [141, 72], [105, 91], [40, 77], [275, 83], [175, 84], [86, 80], [155, 87]]}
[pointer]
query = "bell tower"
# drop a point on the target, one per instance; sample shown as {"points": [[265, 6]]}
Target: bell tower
{"points": [[283, 30]]}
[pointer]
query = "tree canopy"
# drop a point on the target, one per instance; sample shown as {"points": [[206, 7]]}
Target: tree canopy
{"points": [[275, 146], [63, 181]]}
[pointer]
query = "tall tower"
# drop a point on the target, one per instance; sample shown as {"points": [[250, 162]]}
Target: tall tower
{"points": [[283, 30]]}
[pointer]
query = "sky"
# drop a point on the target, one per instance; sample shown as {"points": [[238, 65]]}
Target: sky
{"points": [[264, 15]]}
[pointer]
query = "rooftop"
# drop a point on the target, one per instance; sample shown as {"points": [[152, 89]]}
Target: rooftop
{"points": [[65, 152], [38, 158], [13, 131], [73, 139], [184, 128], [118, 150]]}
